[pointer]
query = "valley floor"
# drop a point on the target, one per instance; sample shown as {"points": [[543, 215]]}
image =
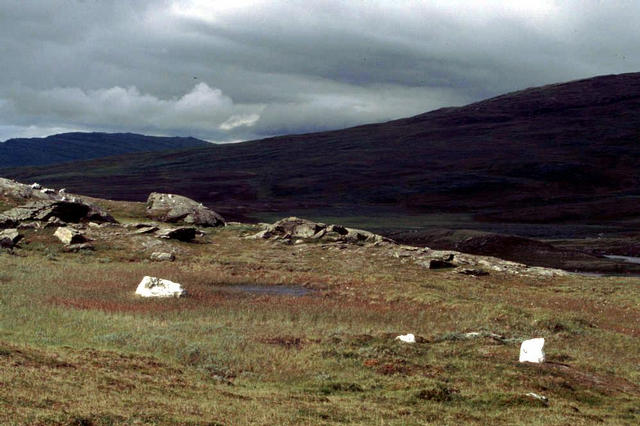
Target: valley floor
{"points": [[77, 346]]}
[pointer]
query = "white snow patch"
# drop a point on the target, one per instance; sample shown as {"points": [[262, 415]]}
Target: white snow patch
{"points": [[158, 287]]}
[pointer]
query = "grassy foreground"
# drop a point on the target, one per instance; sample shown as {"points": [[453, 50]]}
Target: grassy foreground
{"points": [[77, 346]]}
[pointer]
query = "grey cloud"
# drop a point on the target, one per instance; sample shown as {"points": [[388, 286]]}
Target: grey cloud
{"points": [[203, 108], [271, 67]]}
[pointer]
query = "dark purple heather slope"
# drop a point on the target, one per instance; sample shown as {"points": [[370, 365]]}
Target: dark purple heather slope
{"points": [[66, 147], [563, 152]]}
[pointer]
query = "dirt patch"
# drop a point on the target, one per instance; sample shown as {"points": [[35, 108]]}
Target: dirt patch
{"points": [[589, 380], [288, 341], [393, 366], [17, 357], [439, 393]]}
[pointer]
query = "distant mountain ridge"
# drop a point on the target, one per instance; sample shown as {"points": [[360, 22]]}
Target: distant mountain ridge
{"points": [[557, 153], [77, 146]]}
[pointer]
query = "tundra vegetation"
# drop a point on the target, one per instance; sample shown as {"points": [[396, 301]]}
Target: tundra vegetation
{"points": [[77, 346]]}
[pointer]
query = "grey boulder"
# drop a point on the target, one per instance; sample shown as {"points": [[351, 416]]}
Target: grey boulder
{"points": [[159, 256], [176, 208], [9, 238]]}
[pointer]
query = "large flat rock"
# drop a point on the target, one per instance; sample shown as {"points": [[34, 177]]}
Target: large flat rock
{"points": [[176, 208], [67, 211]]}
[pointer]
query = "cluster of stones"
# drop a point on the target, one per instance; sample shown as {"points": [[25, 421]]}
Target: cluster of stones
{"points": [[45, 208], [294, 229]]}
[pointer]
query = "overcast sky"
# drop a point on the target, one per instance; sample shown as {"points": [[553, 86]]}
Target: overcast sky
{"points": [[244, 69]]}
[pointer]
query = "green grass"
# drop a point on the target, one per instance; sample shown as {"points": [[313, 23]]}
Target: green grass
{"points": [[77, 347]]}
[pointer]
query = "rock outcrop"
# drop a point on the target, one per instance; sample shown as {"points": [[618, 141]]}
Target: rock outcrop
{"points": [[6, 222], [158, 287], [36, 203], [183, 233], [20, 191], [176, 208], [294, 228], [66, 211], [503, 246], [142, 228], [469, 264], [9, 238], [29, 225]]}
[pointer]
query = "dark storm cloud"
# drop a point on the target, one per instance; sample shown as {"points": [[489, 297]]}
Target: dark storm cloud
{"points": [[233, 70]]}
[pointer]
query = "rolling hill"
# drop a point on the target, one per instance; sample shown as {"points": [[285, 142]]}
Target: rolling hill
{"points": [[562, 153], [66, 147]]}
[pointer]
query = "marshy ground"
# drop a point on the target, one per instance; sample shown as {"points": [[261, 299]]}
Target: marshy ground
{"points": [[77, 346]]}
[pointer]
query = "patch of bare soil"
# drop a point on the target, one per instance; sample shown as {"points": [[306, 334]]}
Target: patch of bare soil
{"points": [[603, 383]]}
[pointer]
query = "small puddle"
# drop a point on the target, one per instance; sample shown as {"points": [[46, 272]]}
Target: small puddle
{"points": [[275, 290], [628, 259]]}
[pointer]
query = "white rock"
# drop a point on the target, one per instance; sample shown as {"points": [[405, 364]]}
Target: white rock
{"points": [[407, 338], [69, 236], [539, 397], [532, 350], [36, 185], [158, 287]]}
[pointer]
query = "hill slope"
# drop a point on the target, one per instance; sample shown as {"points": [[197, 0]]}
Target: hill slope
{"points": [[563, 152], [77, 146]]}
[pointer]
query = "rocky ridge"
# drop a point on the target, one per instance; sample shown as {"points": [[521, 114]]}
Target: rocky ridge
{"points": [[44, 204], [88, 222], [294, 230], [299, 230]]}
